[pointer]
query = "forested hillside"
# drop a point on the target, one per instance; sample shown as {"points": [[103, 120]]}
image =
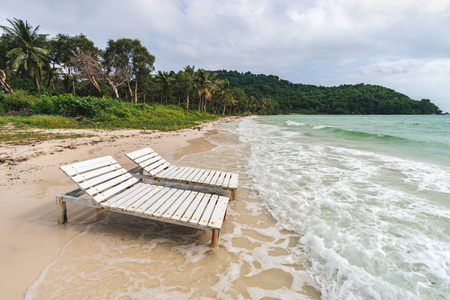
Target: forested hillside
{"points": [[72, 67], [286, 97]]}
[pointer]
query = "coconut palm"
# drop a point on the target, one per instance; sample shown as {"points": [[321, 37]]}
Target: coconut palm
{"points": [[227, 95], [163, 80], [201, 86], [28, 53]]}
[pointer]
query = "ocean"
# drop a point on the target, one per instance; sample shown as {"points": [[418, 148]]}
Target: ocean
{"points": [[369, 197]]}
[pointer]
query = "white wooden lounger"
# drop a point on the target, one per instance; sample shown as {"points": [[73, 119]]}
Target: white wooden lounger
{"points": [[160, 169], [113, 188]]}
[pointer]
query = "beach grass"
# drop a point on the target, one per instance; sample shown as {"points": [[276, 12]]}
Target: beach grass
{"points": [[24, 117]]}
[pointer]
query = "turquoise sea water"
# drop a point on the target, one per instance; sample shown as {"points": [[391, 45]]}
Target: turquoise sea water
{"points": [[369, 196]]}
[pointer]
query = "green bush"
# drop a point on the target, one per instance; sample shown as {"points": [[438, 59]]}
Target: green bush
{"points": [[59, 112], [43, 105], [2, 97], [19, 101]]}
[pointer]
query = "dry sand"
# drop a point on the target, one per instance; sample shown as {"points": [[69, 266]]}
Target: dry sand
{"points": [[31, 239], [30, 179]]}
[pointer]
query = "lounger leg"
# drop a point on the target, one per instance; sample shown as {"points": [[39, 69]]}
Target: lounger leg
{"points": [[61, 209], [233, 192], [215, 239]]}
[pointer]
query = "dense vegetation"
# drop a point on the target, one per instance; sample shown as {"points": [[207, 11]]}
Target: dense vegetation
{"points": [[286, 97], [68, 111], [69, 76]]}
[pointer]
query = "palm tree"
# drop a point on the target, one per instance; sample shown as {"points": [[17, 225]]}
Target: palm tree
{"points": [[28, 53], [227, 95], [189, 78], [201, 85], [163, 80]]}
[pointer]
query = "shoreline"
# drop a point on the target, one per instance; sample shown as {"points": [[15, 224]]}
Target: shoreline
{"points": [[30, 237], [138, 258]]}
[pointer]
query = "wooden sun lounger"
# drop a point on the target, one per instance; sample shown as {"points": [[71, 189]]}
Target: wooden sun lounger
{"points": [[160, 169], [111, 187]]}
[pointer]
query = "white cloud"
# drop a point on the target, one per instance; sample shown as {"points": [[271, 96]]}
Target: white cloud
{"points": [[380, 41]]}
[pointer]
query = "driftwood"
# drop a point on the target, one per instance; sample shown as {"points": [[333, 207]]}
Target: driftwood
{"points": [[3, 84]]}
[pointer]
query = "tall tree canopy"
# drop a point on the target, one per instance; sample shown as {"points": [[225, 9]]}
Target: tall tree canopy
{"points": [[28, 54], [134, 60]]}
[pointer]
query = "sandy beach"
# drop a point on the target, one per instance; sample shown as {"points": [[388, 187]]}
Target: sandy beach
{"points": [[97, 254]]}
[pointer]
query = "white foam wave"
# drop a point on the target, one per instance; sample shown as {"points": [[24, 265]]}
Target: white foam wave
{"points": [[360, 215], [293, 123]]}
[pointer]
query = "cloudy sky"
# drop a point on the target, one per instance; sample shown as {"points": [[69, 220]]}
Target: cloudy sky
{"points": [[400, 44]]}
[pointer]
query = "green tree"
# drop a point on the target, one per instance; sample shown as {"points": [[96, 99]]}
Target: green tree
{"points": [[202, 87], [133, 58], [63, 48], [227, 95], [163, 80], [28, 53], [184, 84]]}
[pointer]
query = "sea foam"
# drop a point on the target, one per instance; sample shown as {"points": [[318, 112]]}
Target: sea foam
{"points": [[370, 223]]}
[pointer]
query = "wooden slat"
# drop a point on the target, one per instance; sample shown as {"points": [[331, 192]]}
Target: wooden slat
{"points": [[139, 206], [200, 209], [112, 191], [233, 181], [158, 169], [170, 210], [97, 180], [131, 199], [179, 171], [124, 196], [138, 153], [186, 172], [168, 171], [184, 206], [154, 208], [165, 206], [215, 178], [145, 157], [226, 180], [221, 178], [152, 199], [210, 177], [156, 164], [204, 175], [199, 175], [73, 172], [110, 183], [125, 193], [194, 174], [86, 163], [95, 173], [192, 208], [218, 214], [187, 175], [204, 221], [151, 161]]}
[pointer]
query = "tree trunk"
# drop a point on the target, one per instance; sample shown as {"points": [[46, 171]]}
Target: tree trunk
{"points": [[113, 86], [3, 84], [224, 107], [187, 102], [130, 92], [116, 92], [36, 82], [135, 90], [94, 82], [199, 103], [73, 86]]}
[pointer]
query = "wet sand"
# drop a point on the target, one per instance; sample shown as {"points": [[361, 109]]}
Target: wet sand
{"points": [[97, 254]]}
